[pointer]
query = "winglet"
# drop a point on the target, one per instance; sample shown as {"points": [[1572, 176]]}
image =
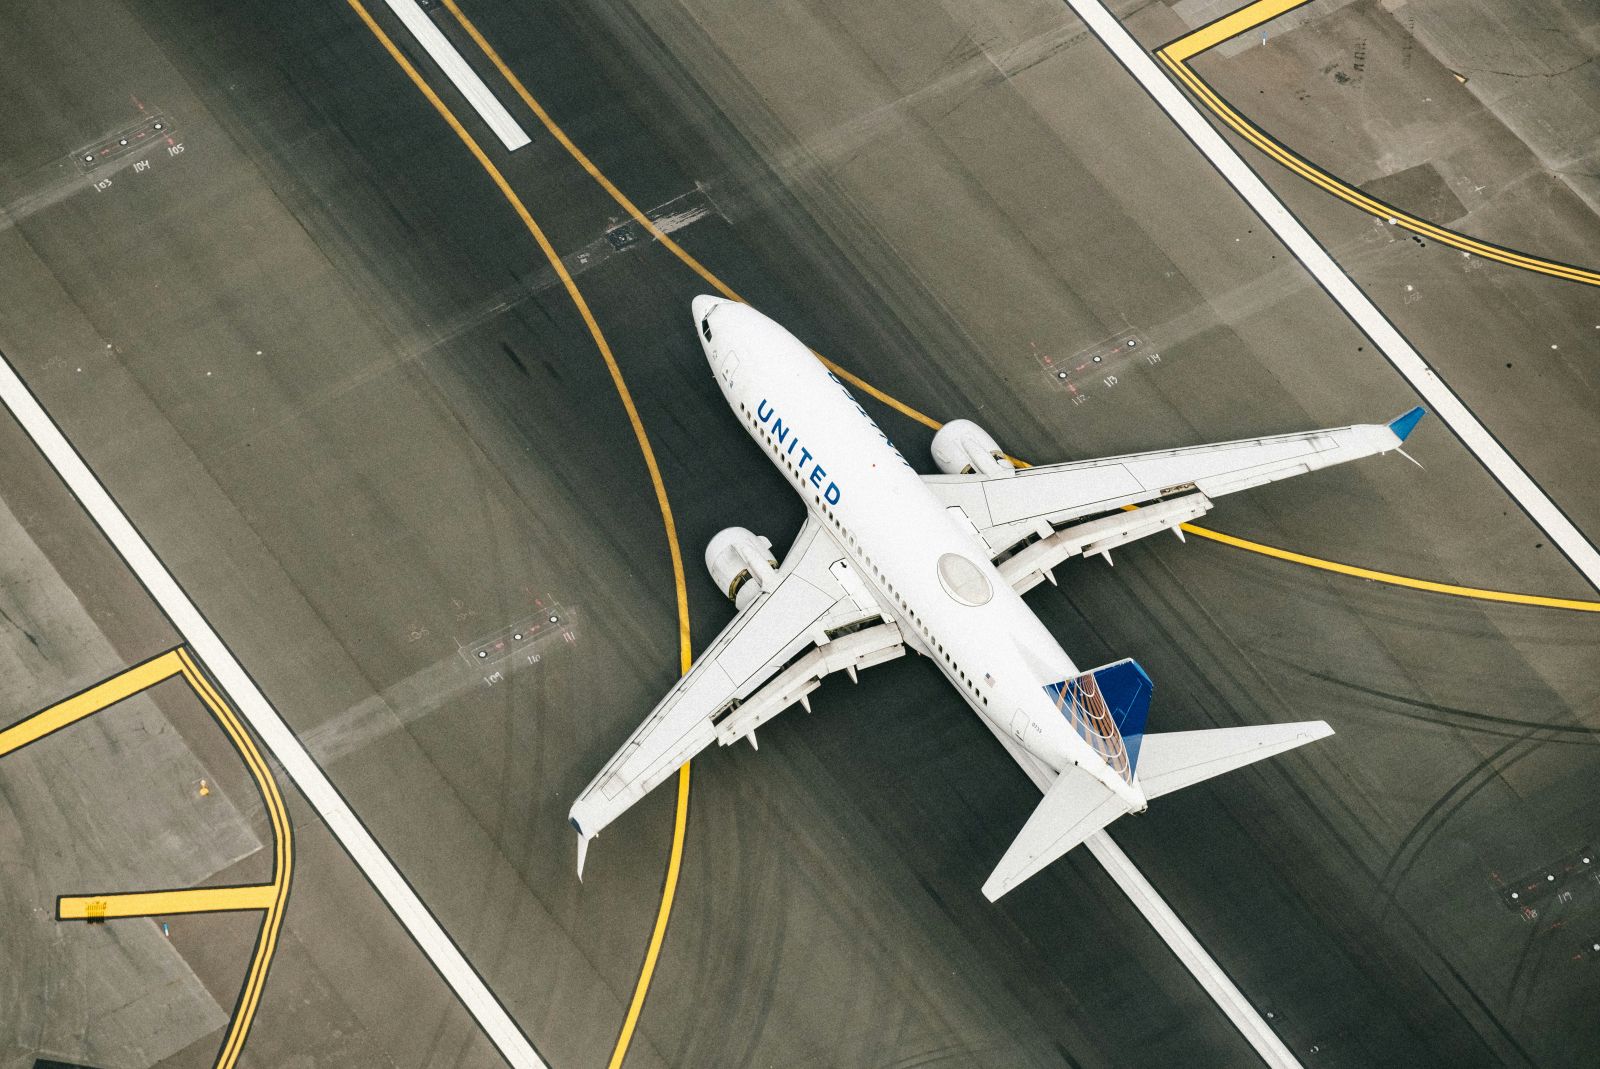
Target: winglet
{"points": [[1402, 426], [583, 844]]}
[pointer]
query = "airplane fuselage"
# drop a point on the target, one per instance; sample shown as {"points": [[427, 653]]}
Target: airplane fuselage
{"points": [[928, 569]]}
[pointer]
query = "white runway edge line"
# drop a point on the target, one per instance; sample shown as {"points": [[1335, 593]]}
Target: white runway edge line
{"points": [[1189, 951], [443, 53], [274, 732], [1544, 512]]}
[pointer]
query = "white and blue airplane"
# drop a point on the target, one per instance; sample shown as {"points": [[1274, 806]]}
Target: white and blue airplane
{"points": [[890, 560]]}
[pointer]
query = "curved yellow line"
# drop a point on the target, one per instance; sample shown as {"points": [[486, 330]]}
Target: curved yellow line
{"points": [[282, 862], [1299, 165], [269, 898], [685, 653], [1392, 579]]}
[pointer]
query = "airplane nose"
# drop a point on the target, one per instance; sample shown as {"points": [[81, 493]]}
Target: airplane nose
{"points": [[703, 305]]}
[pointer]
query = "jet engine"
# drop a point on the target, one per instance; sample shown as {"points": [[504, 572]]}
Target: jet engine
{"points": [[961, 447], [742, 564]]}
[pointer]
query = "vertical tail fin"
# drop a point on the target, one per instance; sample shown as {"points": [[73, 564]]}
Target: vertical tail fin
{"points": [[1108, 706]]}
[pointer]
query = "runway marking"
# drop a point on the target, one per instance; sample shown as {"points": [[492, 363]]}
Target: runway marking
{"points": [[1176, 56], [270, 898], [462, 76], [685, 652], [711, 279]]}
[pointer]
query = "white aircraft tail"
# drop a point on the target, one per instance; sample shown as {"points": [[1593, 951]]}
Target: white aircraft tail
{"points": [[1177, 759], [1078, 804]]}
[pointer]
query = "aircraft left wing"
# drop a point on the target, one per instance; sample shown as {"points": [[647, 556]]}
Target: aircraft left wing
{"points": [[1052, 503], [761, 663]]}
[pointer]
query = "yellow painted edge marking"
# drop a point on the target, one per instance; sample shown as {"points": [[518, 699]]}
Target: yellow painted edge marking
{"points": [[1242, 20], [1175, 57], [267, 897], [577, 300], [685, 654], [282, 865], [1311, 173], [163, 903], [91, 701]]}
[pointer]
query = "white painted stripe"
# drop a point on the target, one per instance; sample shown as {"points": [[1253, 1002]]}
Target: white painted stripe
{"points": [[466, 81], [274, 732], [1356, 304], [1190, 952]]}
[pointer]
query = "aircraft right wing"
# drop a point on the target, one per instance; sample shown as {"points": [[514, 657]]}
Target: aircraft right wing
{"points": [[1170, 486]]}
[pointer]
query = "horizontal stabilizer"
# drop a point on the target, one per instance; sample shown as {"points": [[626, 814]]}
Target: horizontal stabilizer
{"points": [[1172, 760], [1075, 807]]}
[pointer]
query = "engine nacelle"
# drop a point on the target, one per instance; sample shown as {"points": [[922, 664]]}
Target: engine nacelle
{"points": [[742, 564], [961, 447]]}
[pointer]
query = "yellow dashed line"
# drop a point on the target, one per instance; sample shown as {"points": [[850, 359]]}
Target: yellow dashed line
{"points": [[270, 898], [1176, 56]]}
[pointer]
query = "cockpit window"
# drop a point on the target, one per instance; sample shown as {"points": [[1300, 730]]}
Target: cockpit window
{"points": [[705, 327]]}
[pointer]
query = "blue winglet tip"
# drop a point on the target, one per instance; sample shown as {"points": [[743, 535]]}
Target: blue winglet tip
{"points": [[1402, 426]]}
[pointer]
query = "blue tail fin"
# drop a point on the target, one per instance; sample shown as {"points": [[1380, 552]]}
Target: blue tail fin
{"points": [[1118, 692]]}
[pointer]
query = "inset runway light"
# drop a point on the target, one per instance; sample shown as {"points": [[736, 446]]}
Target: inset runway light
{"points": [[485, 653], [1513, 893], [1550, 879], [517, 636], [161, 126], [89, 158], [552, 619], [122, 141], [1061, 374], [1096, 359]]}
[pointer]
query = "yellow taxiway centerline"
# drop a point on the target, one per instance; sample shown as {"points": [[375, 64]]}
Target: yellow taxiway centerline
{"points": [[685, 652], [1175, 57]]}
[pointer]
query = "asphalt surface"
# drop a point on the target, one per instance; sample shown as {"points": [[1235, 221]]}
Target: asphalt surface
{"points": [[335, 384]]}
